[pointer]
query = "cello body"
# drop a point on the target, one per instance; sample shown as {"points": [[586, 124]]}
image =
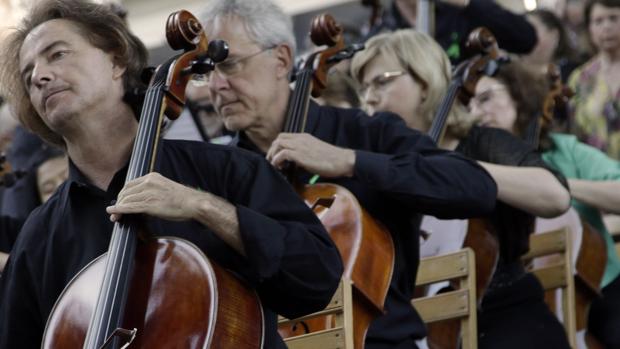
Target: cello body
{"points": [[158, 292], [367, 252], [366, 246], [480, 235], [185, 302]]}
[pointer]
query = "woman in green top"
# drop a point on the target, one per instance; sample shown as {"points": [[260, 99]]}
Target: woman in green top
{"points": [[505, 101]]}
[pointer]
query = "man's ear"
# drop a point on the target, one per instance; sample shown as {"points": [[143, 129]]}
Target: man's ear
{"points": [[284, 56]]}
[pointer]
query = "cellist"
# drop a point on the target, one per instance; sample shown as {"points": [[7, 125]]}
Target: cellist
{"points": [[392, 170], [525, 187], [67, 71], [593, 176]]}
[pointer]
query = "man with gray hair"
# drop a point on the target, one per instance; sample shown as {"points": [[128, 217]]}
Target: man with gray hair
{"points": [[68, 68], [392, 170]]}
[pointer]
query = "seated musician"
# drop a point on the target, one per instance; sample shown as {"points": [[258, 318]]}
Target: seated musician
{"points": [[67, 69], [392, 170], [407, 72], [593, 177]]}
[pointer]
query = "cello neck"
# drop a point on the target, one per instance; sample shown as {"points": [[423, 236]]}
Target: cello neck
{"points": [[441, 116], [298, 105], [109, 310]]}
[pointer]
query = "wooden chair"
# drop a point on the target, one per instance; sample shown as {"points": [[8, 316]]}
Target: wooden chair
{"points": [[338, 337], [551, 262], [457, 304]]}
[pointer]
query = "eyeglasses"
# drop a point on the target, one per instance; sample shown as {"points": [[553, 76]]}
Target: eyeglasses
{"points": [[485, 96], [231, 67], [379, 82]]}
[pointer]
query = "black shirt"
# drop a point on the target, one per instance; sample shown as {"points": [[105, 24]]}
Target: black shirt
{"points": [[291, 261], [399, 171], [512, 226], [453, 24], [9, 229]]}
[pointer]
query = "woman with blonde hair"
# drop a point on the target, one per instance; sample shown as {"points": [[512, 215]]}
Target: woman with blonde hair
{"points": [[407, 73]]}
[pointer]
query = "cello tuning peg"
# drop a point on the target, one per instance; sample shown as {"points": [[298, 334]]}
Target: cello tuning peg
{"points": [[202, 67], [345, 53], [217, 50]]}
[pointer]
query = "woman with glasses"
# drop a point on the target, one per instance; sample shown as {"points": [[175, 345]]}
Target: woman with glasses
{"points": [[406, 72], [511, 100]]}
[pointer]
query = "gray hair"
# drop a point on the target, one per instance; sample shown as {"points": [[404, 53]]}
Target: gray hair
{"points": [[265, 22]]}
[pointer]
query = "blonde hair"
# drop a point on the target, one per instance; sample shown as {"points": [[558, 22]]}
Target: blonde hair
{"points": [[427, 62]]}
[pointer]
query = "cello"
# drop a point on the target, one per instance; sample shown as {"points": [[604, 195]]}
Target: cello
{"points": [[365, 245], [591, 256], [129, 297], [479, 233]]}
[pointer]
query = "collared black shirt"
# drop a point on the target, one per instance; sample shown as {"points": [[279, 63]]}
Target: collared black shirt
{"points": [[291, 261], [9, 229], [398, 172], [453, 24]]}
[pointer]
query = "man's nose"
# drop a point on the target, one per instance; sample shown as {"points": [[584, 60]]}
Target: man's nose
{"points": [[217, 81], [41, 74]]}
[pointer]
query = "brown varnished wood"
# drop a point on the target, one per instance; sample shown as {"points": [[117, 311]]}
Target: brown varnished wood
{"points": [[592, 254], [183, 31], [481, 239], [480, 236], [171, 303], [367, 252], [363, 314], [176, 298], [480, 40], [365, 246], [324, 30], [591, 263]]}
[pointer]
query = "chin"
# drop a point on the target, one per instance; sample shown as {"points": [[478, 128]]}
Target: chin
{"points": [[234, 123], [58, 119]]}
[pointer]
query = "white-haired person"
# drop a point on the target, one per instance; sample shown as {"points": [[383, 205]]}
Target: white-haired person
{"points": [[393, 170]]}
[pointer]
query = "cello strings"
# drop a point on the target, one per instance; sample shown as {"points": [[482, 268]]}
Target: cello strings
{"points": [[121, 234]]}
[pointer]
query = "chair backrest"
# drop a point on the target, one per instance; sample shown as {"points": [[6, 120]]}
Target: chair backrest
{"points": [[339, 336], [558, 273], [569, 219], [457, 304]]}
